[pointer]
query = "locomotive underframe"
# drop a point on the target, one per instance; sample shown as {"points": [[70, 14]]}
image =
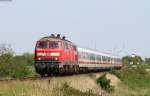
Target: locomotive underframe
{"points": [[43, 67]]}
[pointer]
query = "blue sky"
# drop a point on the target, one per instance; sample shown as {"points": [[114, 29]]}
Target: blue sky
{"points": [[117, 26]]}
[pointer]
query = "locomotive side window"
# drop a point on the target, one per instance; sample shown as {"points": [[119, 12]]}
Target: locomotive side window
{"points": [[75, 48], [63, 46], [66, 45], [69, 46], [53, 44], [42, 44]]}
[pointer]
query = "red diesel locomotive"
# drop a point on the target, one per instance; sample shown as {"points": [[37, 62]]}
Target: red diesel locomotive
{"points": [[54, 54]]}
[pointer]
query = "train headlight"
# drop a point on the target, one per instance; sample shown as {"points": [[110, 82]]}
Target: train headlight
{"points": [[41, 54], [39, 58], [56, 58], [54, 54]]}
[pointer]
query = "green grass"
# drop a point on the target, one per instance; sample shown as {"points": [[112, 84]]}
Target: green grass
{"points": [[135, 81]]}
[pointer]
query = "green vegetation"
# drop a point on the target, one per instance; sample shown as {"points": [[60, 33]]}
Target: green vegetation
{"points": [[53, 86], [13, 65], [132, 76], [127, 60], [105, 83], [26, 58], [136, 78], [70, 91], [147, 61]]}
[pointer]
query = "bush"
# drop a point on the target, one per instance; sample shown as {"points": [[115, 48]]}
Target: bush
{"points": [[135, 77], [6, 61], [27, 58], [13, 66], [141, 70], [116, 72], [19, 69], [105, 83], [70, 91]]}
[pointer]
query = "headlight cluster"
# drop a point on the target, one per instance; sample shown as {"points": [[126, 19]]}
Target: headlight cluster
{"points": [[41, 54], [48, 54], [54, 54]]}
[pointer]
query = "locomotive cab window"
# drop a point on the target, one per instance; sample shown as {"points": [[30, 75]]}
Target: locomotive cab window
{"points": [[42, 44], [53, 44]]}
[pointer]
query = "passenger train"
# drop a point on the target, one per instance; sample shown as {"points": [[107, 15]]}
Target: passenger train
{"points": [[56, 55]]}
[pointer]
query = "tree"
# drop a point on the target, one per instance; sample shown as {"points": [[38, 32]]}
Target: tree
{"points": [[10, 65], [147, 61], [138, 60], [29, 58], [127, 60], [5, 49], [19, 68], [6, 59], [6, 62], [26, 57]]}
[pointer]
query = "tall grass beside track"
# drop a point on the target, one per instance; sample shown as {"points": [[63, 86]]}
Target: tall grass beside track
{"points": [[82, 85], [131, 81], [135, 81]]}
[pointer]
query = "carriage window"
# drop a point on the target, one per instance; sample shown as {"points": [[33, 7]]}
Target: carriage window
{"points": [[109, 59], [81, 54], [92, 57], [99, 57], [104, 58], [42, 44], [53, 44]]}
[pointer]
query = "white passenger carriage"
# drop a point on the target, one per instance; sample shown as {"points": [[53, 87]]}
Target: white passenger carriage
{"points": [[92, 59]]}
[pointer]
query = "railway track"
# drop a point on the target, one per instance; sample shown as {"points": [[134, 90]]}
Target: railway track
{"points": [[24, 79], [47, 77]]}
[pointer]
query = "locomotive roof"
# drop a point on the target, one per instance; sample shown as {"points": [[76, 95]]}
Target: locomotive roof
{"points": [[97, 52], [54, 39]]}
